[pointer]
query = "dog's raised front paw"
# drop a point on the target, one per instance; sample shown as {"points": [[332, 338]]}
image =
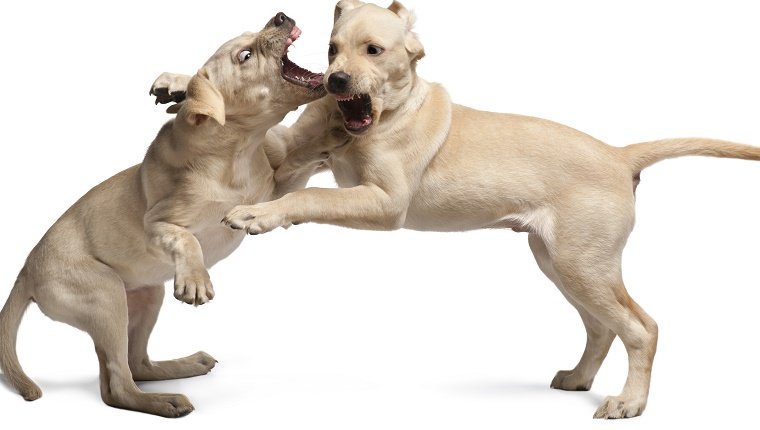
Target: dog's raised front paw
{"points": [[193, 287], [256, 219], [169, 88]]}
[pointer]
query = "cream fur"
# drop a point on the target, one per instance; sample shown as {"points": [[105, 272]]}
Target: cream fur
{"points": [[101, 267], [428, 164]]}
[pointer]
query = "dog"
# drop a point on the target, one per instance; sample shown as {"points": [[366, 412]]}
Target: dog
{"points": [[405, 156], [101, 267]]}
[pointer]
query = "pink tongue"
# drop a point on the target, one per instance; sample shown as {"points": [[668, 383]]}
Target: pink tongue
{"points": [[359, 123], [295, 33]]}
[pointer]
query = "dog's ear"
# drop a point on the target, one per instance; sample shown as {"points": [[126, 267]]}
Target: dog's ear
{"points": [[203, 100], [413, 45], [403, 13], [345, 6]]}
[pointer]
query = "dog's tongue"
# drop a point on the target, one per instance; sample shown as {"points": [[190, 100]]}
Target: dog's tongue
{"points": [[294, 34], [358, 123]]}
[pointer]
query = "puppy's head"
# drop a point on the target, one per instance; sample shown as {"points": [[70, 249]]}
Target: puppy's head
{"points": [[251, 79], [372, 54]]}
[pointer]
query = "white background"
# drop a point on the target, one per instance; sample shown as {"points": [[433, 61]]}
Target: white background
{"points": [[324, 327]]}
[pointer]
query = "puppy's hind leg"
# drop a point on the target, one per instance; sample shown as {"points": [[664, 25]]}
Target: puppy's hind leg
{"points": [[598, 337], [586, 251], [91, 297], [144, 305]]}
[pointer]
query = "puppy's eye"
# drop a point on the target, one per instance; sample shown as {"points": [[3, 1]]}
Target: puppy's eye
{"points": [[332, 50], [244, 55], [374, 50]]}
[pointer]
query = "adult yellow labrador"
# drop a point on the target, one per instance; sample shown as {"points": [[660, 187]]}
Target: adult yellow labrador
{"points": [[101, 267], [406, 156]]}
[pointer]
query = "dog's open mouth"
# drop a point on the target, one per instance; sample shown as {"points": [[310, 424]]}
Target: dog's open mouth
{"points": [[296, 74], [357, 111]]}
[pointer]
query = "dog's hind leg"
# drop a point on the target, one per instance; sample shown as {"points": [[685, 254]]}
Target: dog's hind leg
{"points": [[144, 305], [598, 337], [91, 297], [586, 248]]}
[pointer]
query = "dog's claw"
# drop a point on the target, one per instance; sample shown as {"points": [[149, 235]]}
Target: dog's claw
{"points": [[164, 96]]}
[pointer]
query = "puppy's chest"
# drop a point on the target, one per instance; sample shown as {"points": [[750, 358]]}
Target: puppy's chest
{"points": [[253, 192], [213, 198], [237, 184], [218, 241]]}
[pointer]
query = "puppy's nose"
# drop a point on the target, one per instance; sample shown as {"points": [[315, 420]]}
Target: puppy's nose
{"points": [[280, 18], [338, 82]]}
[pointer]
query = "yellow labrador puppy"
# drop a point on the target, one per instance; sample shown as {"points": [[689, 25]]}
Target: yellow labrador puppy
{"points": [[102, 265], [406, 156]]}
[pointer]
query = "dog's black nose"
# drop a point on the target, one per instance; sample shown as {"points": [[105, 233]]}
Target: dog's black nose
{"points": [[338, 82], [280, 18]]}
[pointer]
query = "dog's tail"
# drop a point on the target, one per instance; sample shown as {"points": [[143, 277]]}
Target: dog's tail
{"points": [[643, 155], [10, 319]]}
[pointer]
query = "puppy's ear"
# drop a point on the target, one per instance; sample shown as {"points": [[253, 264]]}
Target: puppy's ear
{"points": [[345, 6], [403, 13], [203, 101], [413, 45]]}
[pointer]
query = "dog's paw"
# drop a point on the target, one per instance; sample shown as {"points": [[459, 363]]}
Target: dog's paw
{"points": [[256, 219], [569, 381], [193, 287], [204, 361], [620, 407], [172, 405], [169, 88]]}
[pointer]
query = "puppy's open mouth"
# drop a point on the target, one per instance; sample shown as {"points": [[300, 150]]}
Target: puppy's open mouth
{"points": [[357, 111], [296, 74]]}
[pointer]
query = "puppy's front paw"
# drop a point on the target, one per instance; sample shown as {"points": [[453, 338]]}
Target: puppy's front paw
{"points": [[193, 287], [256, 219], [169, 88]]}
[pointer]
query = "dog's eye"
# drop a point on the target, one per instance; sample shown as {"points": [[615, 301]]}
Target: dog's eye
{"points": [[374, 50], [332, 50], [244, 55]]}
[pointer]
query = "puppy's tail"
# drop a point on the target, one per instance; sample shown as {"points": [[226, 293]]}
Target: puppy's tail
{"points": [[643, 155], [10, 318]]}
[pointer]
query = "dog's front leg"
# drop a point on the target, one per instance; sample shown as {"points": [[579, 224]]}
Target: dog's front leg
{"points": [[299, 152], [300, 165], [192, 283], [366, 207]]}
